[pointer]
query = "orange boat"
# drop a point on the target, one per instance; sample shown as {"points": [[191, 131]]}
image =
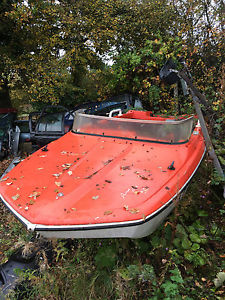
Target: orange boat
{"points": [[108, 177]]}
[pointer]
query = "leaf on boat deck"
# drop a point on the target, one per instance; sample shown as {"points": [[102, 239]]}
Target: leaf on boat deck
{"points": [[63, 152], [107, 212], [26, 208], [40, 168], [34, 195], [66, 166], [107, 162], [9, 183], [143, 177], [108, 181], [60, 194], [95, 197], [74, 209], [137, 192], [125, 167], [31, 202], [134, 211], [70, 173], [143, 216], [15, 197], [42, 156], [134, 187], [126, 207], [167, 188], [56, 175], [58, 183]]}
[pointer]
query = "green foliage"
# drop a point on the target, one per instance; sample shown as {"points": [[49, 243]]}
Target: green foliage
{"points": [[138, 71], [106, 257]]}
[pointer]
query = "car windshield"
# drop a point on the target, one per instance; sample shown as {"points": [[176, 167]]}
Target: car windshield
{"points": [[5, 120], [164, 131], [2, 132], [50, 122]]}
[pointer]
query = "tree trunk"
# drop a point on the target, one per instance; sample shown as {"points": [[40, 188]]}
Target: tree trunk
{"points": [[5, 101]]}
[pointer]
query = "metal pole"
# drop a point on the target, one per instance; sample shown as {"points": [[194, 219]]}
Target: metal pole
{"points": [[208, 142]]}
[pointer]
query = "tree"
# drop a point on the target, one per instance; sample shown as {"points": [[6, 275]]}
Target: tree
{"points": [[6, 45]]}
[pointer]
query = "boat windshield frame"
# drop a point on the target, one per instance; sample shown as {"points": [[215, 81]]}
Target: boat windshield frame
{"points": [[167, 131]]}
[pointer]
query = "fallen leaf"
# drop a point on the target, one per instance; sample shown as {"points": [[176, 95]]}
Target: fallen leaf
{"points": [[95, 197], [134, 211], [203, 279], [143, 177], [66, 166], [57, 183], [107, 212], [125, 167], [42, 155], [9, 183], [134, 186], [34, 195], [15, 197], [74, 209], [40, 168], [26, 208], [56, 175], [143, 216], [126, 207], [70, 173], [108, 181], [60, 194]]}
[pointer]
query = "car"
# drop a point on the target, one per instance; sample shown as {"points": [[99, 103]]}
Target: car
{"points": [[54, 121], [7, 117], [49, 124]]}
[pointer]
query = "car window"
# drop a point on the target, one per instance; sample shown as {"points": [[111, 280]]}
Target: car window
{"points": [[50, 122]]}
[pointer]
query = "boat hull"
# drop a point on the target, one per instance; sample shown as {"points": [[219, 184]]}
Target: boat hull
{"points": [[133, 229], [91, 186]]}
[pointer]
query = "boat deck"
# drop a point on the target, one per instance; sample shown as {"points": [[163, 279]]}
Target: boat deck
{"points": [[95, 180]]}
